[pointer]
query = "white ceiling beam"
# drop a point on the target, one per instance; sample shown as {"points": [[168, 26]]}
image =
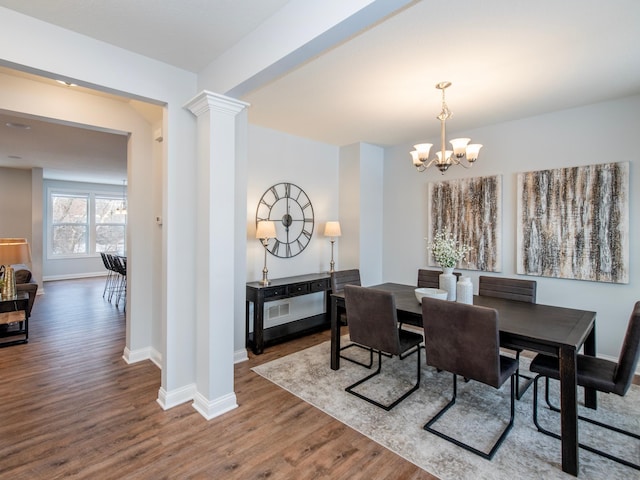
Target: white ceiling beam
{"points": [[297, 33]]}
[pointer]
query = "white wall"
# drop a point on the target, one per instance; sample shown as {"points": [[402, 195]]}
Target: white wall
{"points": [[15, 203], [276, 157], [361, 200], [36, 46], [600, 133]]}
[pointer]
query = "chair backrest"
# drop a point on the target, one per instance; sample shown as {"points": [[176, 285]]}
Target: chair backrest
{"points": [[462, 339], [431, 278], [104, 260], [508, 288], [373, 320], [344, 277], [118, 264], [629, 354]]}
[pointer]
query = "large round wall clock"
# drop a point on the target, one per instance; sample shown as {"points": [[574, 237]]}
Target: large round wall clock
{"points": [[290, 208]]}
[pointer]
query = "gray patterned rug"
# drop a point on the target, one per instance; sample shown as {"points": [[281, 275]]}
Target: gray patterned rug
{"points": [[480, 414]]}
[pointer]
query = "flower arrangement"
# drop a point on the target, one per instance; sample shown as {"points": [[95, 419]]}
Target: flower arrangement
{"points": [[446, 250]]}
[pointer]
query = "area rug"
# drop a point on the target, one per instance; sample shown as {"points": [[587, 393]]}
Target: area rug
{"points": [[478, 417]]}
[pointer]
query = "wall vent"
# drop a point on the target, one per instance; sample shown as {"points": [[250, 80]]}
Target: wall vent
{"points": [[277, 311]]}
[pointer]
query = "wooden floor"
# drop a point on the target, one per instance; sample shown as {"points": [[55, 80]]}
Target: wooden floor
{"points": [[72, 408]]}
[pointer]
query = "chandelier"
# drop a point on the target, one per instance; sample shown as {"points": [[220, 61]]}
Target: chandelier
{"points": [[462, 150]]}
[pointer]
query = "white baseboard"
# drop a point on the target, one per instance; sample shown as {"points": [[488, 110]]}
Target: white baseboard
{"points": [[148, 353], [214, 408], [73, 276], [176, 397], [240, 356]]}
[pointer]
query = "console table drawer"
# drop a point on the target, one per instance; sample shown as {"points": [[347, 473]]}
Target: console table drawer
{"points": [[319, 286], [274, 292], [299, 289]]}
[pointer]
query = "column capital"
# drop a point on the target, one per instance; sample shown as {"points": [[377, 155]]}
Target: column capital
{"points": [[207, 101]]}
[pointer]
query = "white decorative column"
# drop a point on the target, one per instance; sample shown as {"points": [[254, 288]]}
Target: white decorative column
{"points": [[216, 245]]}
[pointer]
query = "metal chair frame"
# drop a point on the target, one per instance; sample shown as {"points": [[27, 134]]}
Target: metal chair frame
{"points": [[586, 419], [429, 425], [387, 407]]}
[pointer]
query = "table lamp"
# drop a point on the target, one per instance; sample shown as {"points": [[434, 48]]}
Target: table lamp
{"points": [[265, 230], [12, 251], [332, 229]]}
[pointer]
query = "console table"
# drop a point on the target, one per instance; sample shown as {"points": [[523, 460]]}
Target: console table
{"points": [[14, 319], [278, 289]]}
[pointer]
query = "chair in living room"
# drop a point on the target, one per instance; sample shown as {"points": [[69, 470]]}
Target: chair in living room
{"points": [[111, 274], [338, 281], [464, 340], [511, 289], [373, 323], [597, 373]]}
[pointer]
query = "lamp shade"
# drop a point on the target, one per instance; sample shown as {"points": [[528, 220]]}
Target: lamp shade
{"points": [[14, 250], [332, 229], [266, 229]]}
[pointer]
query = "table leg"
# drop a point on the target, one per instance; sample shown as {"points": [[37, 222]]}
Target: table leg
{"points": [[569, 410], [335, 335], [258, 327], [590, 394]]}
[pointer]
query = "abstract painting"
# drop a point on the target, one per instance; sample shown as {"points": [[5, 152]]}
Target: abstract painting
{"points": [[471, 210], [574, 223]]}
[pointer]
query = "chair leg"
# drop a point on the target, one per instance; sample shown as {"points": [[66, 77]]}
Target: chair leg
{"points": [[594, 422], [429, 425], [377, 372], [369, 365]]}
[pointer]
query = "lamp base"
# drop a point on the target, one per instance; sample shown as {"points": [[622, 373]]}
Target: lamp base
{"points": [[332, 264], [9, 285]]}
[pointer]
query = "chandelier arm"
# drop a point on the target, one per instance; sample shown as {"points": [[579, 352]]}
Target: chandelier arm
{"points": [[433, 160]]}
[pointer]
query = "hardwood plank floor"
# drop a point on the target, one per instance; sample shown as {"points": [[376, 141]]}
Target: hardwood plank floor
{"points": [[72, 408]]}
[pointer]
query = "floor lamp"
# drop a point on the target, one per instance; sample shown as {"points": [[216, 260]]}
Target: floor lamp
{"points": [[332, 229], [12, 251], [265, 230]]}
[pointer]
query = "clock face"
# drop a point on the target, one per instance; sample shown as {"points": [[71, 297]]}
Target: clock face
{"points": [[290, 208]]}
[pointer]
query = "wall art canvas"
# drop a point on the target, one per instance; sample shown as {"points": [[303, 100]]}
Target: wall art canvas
{"points": [[471, 210], [574, 223]]}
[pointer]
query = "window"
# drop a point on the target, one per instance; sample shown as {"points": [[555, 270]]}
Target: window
{"points": [[110, 225], [70, 216], [86, 223]]}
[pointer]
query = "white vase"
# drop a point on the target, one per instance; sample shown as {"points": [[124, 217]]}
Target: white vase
{"points": [[464, 291], [448, 282]]}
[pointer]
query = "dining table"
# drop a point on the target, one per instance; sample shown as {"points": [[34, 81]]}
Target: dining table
{"points": [[548, 329]]}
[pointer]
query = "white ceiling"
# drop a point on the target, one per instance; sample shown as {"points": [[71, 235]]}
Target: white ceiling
{"points": [[64, 152], [506, 60], [189, 34]]}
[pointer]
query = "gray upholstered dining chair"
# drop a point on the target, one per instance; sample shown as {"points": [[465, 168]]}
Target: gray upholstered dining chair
{"points": [[338, 281], [464, 340], [511, 289], [431, 278], [597, 373], [373, 323]]}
